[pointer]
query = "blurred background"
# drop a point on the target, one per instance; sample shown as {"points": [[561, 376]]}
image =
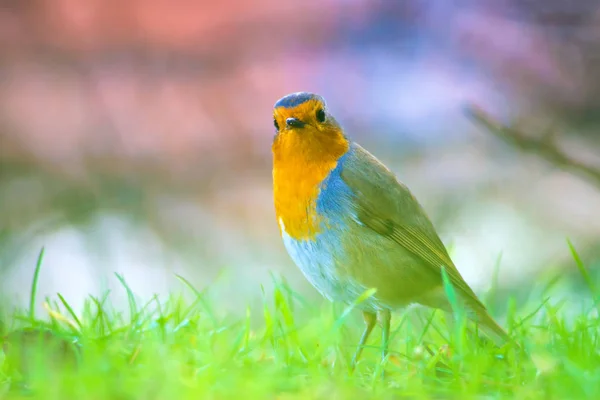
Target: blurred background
{"points": [[135, 136]]}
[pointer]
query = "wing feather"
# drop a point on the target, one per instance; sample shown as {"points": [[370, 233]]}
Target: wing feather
{"points": [[396, 214]]}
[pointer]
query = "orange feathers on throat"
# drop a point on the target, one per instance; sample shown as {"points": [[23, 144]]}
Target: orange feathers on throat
{"points": [[302, 159]]}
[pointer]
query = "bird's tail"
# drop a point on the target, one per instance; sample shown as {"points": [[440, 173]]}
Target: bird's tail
{"points": [[495, 331], [476, 312], [490, 327]]}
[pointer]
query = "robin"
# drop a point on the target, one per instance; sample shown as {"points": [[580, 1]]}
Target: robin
{"points": [[350, 225]]}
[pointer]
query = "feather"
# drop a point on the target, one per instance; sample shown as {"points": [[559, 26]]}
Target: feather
{"points": [[386, 206]]}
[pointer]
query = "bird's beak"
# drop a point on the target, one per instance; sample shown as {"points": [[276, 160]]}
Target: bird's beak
{"points": [[294, 123]]}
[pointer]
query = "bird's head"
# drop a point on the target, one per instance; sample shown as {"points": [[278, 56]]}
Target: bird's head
{"points": [[304, 126]]}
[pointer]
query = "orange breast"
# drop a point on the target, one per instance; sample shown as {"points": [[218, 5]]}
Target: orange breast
{"points": [[301, 161]]}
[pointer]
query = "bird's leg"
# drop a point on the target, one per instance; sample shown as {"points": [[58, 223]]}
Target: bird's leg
{"points": [[370, 321], [385, 317]]}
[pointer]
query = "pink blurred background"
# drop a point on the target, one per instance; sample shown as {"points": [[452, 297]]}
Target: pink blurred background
{"points": [[135, 136]]}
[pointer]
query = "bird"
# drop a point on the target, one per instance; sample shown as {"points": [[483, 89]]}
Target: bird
{"points": [[350, 225]]}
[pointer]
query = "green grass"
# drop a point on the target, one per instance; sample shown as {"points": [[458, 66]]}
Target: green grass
{"points": [[185, 347]]}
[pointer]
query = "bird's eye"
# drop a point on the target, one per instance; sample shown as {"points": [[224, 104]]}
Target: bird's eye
{"points": [[276, 124], [320, 115]]}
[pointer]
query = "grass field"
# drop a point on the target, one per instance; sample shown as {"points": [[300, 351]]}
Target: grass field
{"points": [[178, 348]]}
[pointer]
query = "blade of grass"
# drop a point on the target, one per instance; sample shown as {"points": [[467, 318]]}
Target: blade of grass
{"points": [[363, 297], [532, 314], [201, 296], [456, 308], [492, 294], [70, 310], [269, 330], [34, 285], [130, 297], [585, 274], [284, 307]]}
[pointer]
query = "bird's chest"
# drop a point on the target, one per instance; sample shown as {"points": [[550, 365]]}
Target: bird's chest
{"points": [[296, 188], [326, 256], [321, 261]]}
